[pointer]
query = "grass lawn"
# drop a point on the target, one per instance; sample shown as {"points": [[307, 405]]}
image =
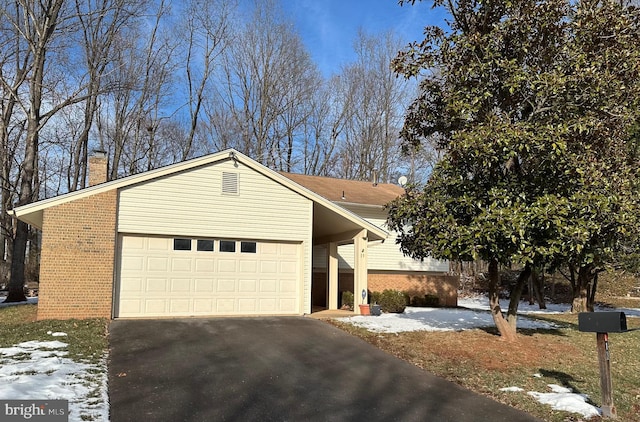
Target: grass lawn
{"points": [[86, 338], [54, 359], [480, 361]]}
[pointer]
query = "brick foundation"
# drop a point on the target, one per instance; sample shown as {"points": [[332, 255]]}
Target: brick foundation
{"points": [[77, 260]]}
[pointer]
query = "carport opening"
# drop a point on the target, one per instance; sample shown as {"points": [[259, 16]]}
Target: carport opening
{"points": [[320, 288]]}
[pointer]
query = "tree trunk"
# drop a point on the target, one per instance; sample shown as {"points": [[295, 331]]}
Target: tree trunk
{"points": [[516, 294], [44, 21], [531, 292], [538, 288], [582, 291], [507, 332]]}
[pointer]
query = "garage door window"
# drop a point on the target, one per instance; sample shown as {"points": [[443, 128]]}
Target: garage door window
{"points": [[227, 246], [181, 244], [205, 245], [248, 247]]}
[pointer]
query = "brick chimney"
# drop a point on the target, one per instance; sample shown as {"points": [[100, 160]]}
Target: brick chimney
{"points": [[97, 168]]}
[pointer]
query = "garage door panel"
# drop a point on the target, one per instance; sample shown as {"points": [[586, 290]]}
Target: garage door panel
{"points": [[268, 248], [156, 285], [225, 306], [181, 264], [268, 286], [247, 305], [248, 286], [156, 280], [288, 286], [131, 306], [181, 284], [248, 266], [159, 243], [205, 265], [288, 267], [227, 266], [155, 306], [226, 286], [203, 286], [268, 305], [268, 267], [157, 264], [287, 305], [131, 284], [132, 243], [203, 306], [133, 263], [180, 306], [288, 250]]}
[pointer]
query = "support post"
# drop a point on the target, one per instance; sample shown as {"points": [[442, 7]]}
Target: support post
{"points": [[332, 274], [608, 409], [360, 270]]}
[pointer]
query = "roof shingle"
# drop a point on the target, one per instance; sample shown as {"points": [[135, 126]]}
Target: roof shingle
{"points": [[350, 191]]}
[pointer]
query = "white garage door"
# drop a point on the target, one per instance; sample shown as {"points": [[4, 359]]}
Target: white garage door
{"points": [[185, 276]]}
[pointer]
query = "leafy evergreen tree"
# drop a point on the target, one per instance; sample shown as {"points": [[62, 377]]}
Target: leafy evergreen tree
{"points": [[533, 104]]}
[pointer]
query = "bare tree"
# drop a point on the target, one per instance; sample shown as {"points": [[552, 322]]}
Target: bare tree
{"points": [[378, 98], [330, 109], [36, 23], [267, 81], [133, 112], [14, 67], [100, 22], [207, 32]]}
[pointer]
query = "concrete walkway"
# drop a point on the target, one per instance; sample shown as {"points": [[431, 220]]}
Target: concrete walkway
{"points": [[274, 369]]}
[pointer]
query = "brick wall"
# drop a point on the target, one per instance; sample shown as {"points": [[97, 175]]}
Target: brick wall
{"points": [[77, 261], [445, 287]]}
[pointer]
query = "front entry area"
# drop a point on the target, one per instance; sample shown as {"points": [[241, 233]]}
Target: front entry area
{"points": [[186, 276]]}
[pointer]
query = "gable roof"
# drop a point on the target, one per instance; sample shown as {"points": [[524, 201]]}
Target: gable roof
{"points": [[348, 191], [33, 213]]}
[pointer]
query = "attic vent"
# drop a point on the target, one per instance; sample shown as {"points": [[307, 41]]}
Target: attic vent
{"points": [[230, 183]]}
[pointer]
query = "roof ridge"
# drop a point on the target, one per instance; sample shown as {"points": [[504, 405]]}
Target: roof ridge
{"points": [[284, 173]]}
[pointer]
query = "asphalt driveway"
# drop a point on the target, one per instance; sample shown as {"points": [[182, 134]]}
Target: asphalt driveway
{"points": [[274, 369]]}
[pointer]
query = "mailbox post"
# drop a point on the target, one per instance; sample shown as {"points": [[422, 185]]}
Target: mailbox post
{"points": [[603, 323]]}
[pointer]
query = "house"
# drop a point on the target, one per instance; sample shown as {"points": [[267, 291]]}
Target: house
{"points": [[388, 267], [215, 235]]}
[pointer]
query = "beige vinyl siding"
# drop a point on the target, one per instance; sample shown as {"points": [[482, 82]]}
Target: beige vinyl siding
{"points": [[192, 204], [384, 257]]}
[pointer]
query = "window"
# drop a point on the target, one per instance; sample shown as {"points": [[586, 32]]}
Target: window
{"points": [[227, 246], [181, 244], [248, 247], [205, 245]]}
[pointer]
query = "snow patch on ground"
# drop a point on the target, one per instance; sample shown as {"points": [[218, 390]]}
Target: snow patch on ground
{"points": [[40, 370], [563, 398], [30, 301]]}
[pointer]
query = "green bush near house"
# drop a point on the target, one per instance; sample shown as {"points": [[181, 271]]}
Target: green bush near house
{"points": [[374, 297], [426, 301], [347, 299], [393, 301]]}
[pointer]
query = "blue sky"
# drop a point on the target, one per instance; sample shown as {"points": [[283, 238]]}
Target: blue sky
{"points": [[329, 27]]}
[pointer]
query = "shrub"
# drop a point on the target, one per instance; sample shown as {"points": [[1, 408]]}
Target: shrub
{"points": [[347, 299], [432, 301], [374, 297], [392, 301]]}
